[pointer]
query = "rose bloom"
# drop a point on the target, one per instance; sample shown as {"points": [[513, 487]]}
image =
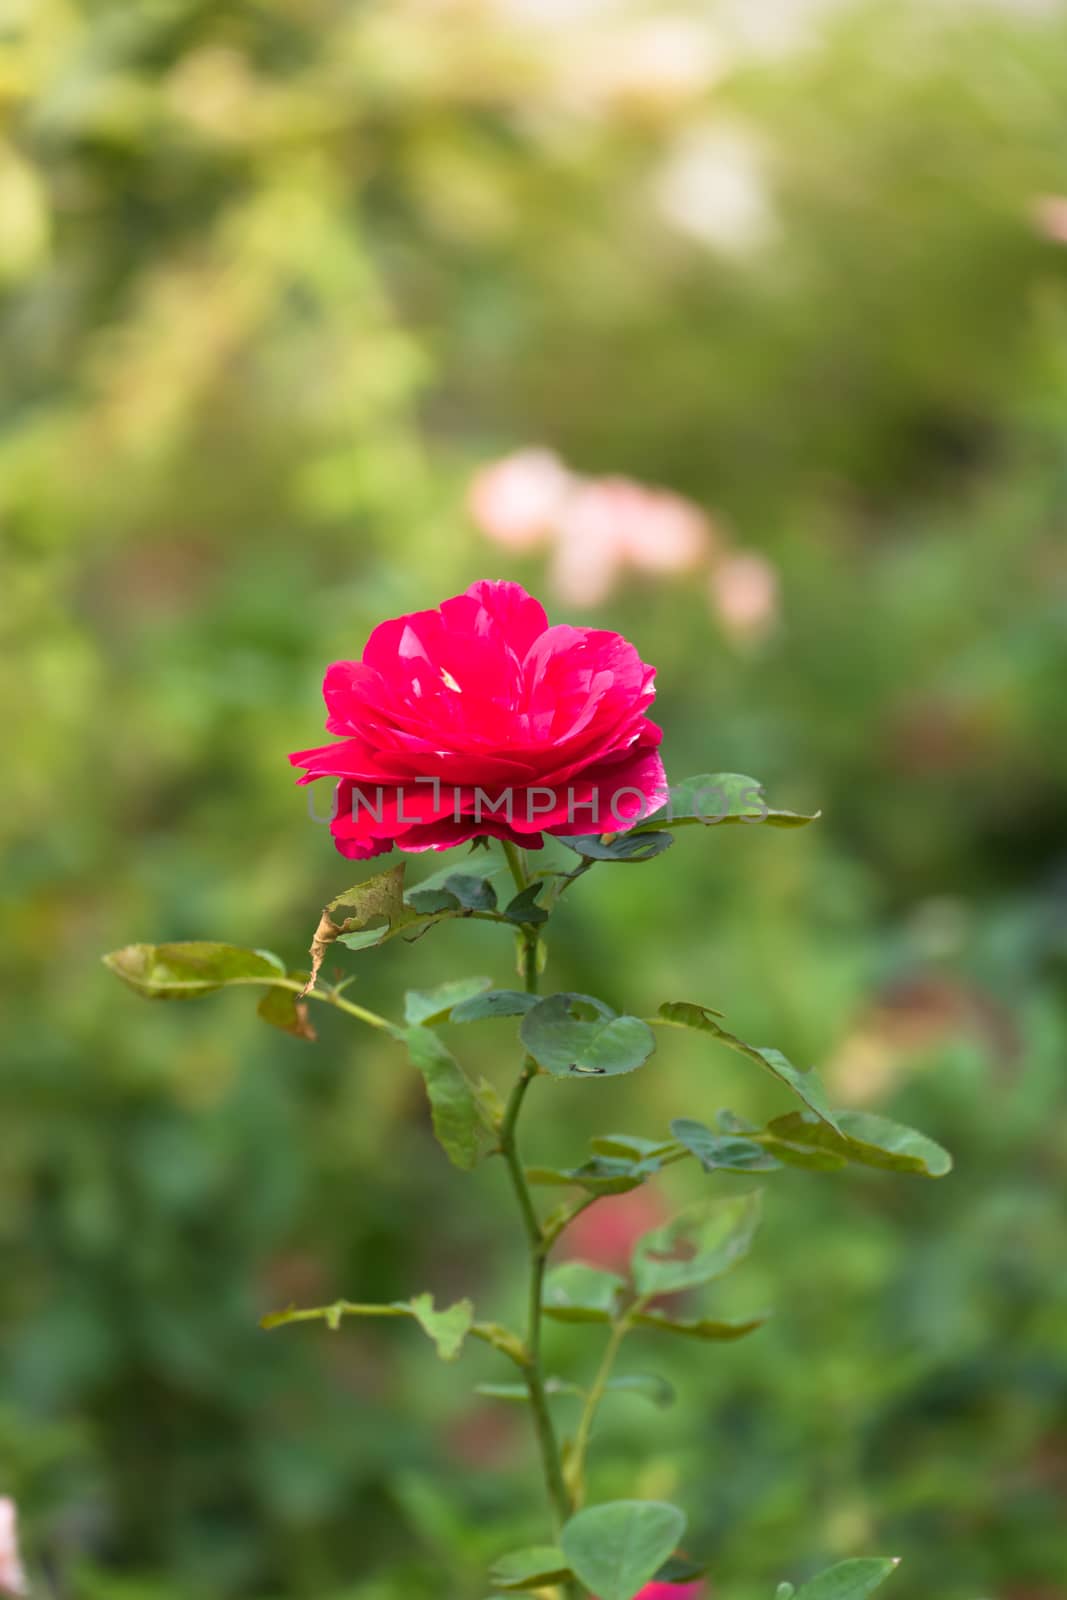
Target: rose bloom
{"points": [[12, 1575], [480, 719], [515, 501], [605, 1235]]}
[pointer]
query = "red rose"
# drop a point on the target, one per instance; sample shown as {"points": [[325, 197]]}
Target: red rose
{"points": [[479, 718]]}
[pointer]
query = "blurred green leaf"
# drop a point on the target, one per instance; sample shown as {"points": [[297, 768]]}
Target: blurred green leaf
{"points": [[184, 970], [457, 1120], [699, 1244], [434, 1005], [529, 1569], [849, 1580], [448, 1328], [805, 1084], [600, 1175], [494, 1003], [714, 798], [722, 1151], [576, 1292], [573, 1035], [867, 1139], [283, 1009], [616, 1548], [710, 1329]]}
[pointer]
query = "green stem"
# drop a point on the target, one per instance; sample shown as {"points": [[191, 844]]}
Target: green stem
{"points": [[551, 1461], [584, 1433]]}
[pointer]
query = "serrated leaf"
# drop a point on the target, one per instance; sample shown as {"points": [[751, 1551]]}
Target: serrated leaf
{"points": [[806, 1085], [185, 969], [529, 1569], [715, 798], [282, 1009], [474, 891], [494, 1003], [868, 1140], [453, 1104], [850, 1580], [576, 1292], [709, 1329], [630, 847], [698, 1245], [434, 1005], [724, 1152], [376, 908], [574, 1035], [615, 1549]]}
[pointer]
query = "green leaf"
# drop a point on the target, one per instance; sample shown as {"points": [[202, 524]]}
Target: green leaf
{"points": [[680, 1570], [868, 1140], [849, 1580], [576, 1292], [573, 1035], [529, 1569], [520, 1392], [524, 907], [283, 1009], [699, 1244], [722, 1151], [806, 1085], [600, 1175], [494, 1003], [623, 847], [447, 1328], [714, 798], [647, 1384], [434, 1005], [629, 1146], [709, 1329], [454, 1107], [377, 911], [615, 1549], [181, 971]]}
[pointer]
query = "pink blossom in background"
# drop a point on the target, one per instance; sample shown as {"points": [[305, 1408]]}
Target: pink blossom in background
{"points": [[515, 501], [744, 593], [12, 1574], [1050, 217], [605, 1235], [609, 524], [479, 719]]}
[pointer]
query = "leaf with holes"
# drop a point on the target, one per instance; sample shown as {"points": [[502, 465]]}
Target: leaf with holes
{"points": [[573, 1035], [699, 1244]]}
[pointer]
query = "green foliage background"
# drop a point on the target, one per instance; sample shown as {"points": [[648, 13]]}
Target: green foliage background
{"points": [[275, 276]]}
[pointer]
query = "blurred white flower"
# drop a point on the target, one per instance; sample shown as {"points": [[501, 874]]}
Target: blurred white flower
{"points": [[744, 593], [516, 500], [653, 64], [712, 188], [12, 1575]]}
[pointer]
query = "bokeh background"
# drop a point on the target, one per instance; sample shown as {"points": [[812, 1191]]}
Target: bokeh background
{"points": [[278, 278]]}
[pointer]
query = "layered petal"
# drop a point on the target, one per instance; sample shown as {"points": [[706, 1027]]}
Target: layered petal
{"points": [[479, 718]]}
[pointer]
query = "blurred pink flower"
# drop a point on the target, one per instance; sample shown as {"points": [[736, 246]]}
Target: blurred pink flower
{"points": [[608, 524], [1050, 217], [12, 1575], [744, 594], [515, 501], [605, 1235]]}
